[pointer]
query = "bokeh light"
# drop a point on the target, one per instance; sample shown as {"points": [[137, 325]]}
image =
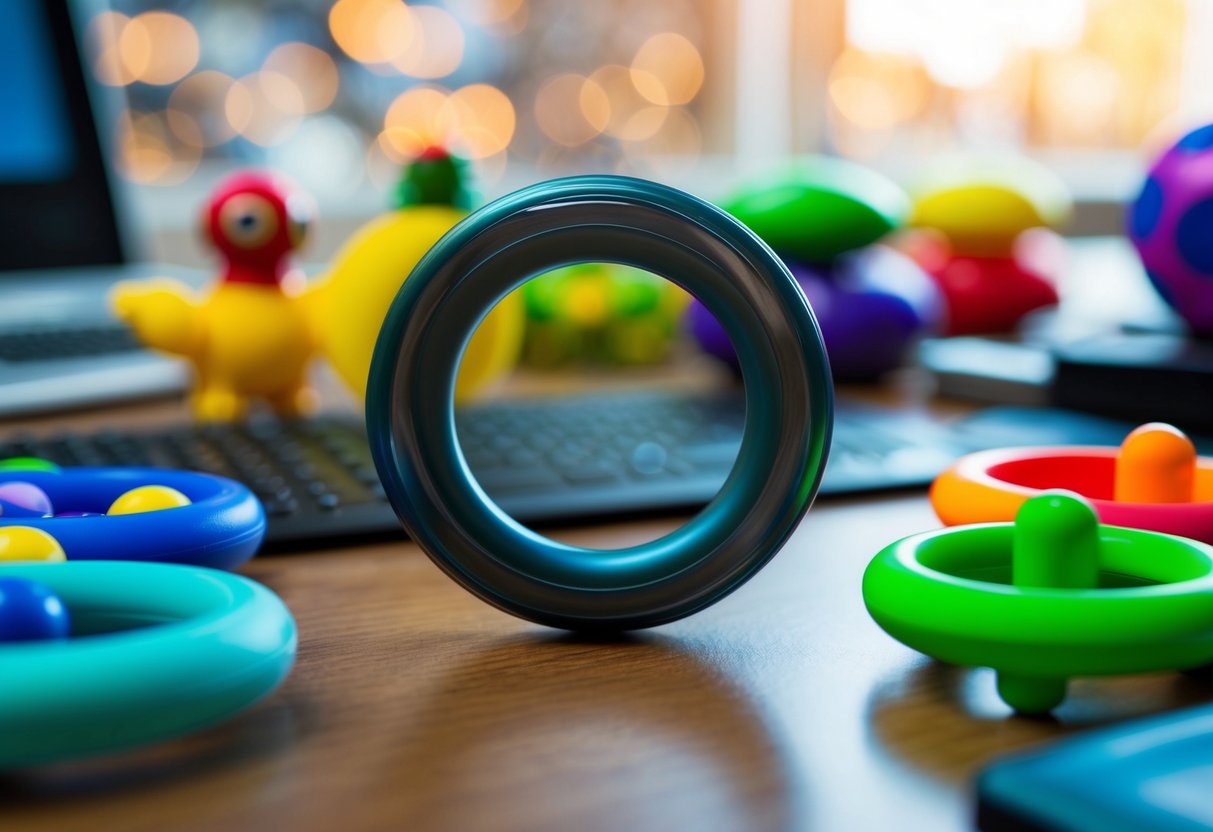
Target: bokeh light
{"points": [[477, 121], [632, 117], [417, 119], [1081, 97], [488, 12], [264, 107], [371, 31], [571, 109], [154, 47], [1055, 74], [162, 47], [594, 105], [877, 91], [601, 86], [102, 36], [150, 153], [962, 44], [198, 104], [680, 136], [311, 69], [435, 46], [667, 69], [480, 119]]}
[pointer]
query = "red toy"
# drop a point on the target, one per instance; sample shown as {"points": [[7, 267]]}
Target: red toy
{"points": [[990, 294], [982, 231], [256, 220]]}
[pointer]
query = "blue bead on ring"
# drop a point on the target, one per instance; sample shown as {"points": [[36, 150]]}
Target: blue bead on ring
{"points": [[156, 650], [789, 402]]}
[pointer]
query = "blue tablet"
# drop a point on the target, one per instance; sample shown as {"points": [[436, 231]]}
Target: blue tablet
{"points": [[1152, 775]]}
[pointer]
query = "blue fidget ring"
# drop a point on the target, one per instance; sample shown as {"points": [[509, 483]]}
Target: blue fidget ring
{"points": [[788, 393], [222, 527], [156, 650]]}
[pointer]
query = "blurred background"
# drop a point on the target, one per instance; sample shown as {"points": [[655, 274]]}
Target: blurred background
{"points": [[914, 163], [338, 94]]}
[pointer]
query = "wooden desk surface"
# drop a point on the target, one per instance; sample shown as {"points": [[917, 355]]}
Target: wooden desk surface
{"points": [[415, 706]]}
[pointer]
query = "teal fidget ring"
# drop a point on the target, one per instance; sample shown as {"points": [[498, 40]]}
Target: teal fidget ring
{"points": [[788, 393], [156, 651]]}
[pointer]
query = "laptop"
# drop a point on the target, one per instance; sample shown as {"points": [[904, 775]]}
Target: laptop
{"points": [[63, 240]]}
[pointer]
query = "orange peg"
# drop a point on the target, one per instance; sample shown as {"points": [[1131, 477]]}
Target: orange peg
{"points": [[1156, 464]]}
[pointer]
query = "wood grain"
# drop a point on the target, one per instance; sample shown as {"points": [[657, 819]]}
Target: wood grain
{"points": [[414, 706]]}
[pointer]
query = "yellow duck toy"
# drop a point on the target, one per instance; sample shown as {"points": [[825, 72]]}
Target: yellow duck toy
{"points": [[249, 336], [254, 333]]}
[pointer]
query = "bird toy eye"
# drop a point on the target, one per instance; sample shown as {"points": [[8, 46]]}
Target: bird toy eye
{"points": [[248, 220]]}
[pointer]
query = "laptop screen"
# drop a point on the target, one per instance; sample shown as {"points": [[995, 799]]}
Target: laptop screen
{"points": [[55, 203], [31, 99]]}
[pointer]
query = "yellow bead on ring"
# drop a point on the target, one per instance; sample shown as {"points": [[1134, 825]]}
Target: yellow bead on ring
{"points": [[148, 498], [25, 543]]}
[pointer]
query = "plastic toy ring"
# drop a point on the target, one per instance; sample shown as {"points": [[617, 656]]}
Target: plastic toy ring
{"points": [[789, 402], [222, 529], [1053, 596], [157, 650], [1153, 481]]}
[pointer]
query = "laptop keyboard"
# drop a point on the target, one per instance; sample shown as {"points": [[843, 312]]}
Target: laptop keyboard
{"points": [[542, 461], [53, 343]]}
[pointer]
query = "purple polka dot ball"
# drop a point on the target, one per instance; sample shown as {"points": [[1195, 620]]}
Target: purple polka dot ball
{"points": [[1171, 224]]}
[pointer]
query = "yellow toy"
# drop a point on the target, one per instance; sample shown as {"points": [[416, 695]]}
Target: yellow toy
{"points": [[249, 336], [350, 303], [253, 335], [981, 206], [25, 543], [148, 498]]}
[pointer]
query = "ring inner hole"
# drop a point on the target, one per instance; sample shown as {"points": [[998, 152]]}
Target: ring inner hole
{"points": [[630, 337]]}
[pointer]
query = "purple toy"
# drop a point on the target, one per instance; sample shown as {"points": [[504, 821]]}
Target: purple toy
{"points": [[1171, 224], [870, 303], [20, 499]]}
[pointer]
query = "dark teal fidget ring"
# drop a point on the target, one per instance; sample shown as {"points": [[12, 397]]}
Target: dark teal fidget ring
{"points": [[788, 393]]}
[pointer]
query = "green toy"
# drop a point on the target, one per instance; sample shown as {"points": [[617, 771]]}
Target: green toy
{"points": [[1051, 596], [27, 463], [600, 312], [436, 177], [819, 208]]}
